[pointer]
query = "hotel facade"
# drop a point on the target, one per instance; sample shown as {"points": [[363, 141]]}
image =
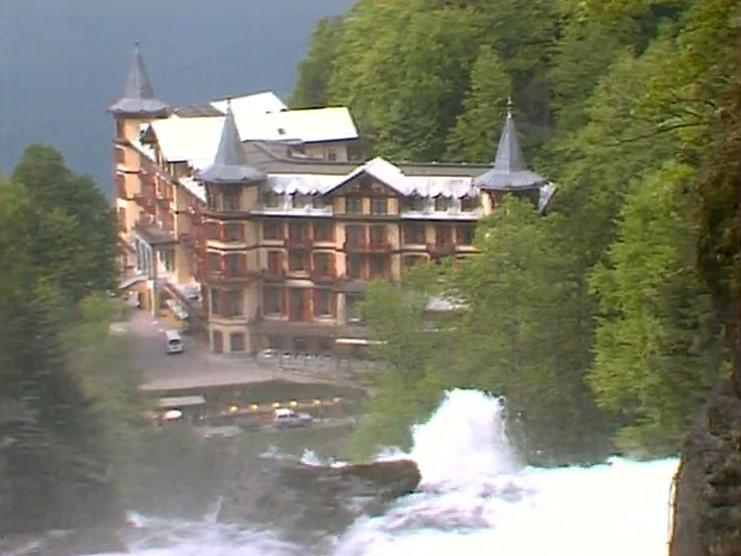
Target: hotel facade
{"points": [[262, 225]]}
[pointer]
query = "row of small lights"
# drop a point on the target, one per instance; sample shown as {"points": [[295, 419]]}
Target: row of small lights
{"points": [[278, 405]]}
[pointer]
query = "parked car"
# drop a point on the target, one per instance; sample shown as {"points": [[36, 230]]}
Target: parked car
{"points": [[285, 417]]}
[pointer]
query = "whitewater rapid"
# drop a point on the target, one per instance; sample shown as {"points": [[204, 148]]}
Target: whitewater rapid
{"points": [[475, 499]]}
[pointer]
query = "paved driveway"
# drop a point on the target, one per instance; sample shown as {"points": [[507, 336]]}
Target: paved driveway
{"points": [[198, 367]]}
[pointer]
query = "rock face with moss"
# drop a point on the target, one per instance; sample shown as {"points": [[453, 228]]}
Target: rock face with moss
{"points": [[311, 501], [707, 517]]}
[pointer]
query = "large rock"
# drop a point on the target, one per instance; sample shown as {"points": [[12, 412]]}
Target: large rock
{"points": [[707, 512], [307, 500]]}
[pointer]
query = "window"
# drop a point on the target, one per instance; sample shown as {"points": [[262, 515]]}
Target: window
{"points": [[272, 300], [213, 230], [273, 200], [464, 235], [296, 261], [275, 342], [379, 205], [275, 261], [469, 204], [230, 201], [236, 342], [323, 231], [414, 233], [122, 219], [272, 230], [354, 205], [120, 130], [377, 235], [217, 341], [298, 304], [317, 202], [415, 203], [215, 301], [120, 156], [323, 263], [355, 267], [214, 261], [300, 345], [233, 232], [297, 231], [323, 303], [234, 306], [377, 266], [235, 265], [121, 186], [355, 235], [331, 155], [442, 203], [301, 201], [443, 235], [167, 256]]}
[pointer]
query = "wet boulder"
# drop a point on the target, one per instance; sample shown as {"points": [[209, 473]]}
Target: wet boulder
{"points": [[309, 500]]}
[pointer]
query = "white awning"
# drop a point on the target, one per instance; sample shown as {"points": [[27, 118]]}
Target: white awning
{"points": [[180, 401], [357, 342]]}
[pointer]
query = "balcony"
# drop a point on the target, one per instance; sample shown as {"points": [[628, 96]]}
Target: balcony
{"points": [[366, 247], [274, 274], [323, 276], [229, 276], [299, 242], [441, 249]]}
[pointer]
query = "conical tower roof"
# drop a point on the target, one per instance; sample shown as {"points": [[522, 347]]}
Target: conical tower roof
{"points": [[510, 170], [138, 97], [230, 163]]}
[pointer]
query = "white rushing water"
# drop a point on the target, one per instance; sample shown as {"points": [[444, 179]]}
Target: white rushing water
{"points": [[476, 499]]}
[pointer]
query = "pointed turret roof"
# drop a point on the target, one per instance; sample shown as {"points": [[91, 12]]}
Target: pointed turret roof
{"points": [[138, 98], [230, 163], [510, 169]]}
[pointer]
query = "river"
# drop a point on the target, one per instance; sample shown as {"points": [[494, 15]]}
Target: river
{"points": [[475, 499]]}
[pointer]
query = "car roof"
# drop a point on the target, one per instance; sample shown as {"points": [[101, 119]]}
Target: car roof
{"points": [[172, 334]]}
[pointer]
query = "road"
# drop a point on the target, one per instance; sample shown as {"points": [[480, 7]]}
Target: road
{"points": [[197, 367]]}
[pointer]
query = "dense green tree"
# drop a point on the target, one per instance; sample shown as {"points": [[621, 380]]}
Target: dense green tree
{"points": [[657, 349], [315, 69], [477, 128]]}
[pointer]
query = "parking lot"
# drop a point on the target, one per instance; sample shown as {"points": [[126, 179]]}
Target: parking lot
{"points": [[198, 367]]}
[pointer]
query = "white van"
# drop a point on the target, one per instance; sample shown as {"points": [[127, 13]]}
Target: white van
{"points": [[174, 342]]}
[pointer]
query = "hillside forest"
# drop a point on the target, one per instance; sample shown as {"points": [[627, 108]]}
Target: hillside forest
{"points": [[603, 322]]}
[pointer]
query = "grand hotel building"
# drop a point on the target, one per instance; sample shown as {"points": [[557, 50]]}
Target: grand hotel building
{"points": [[260, 222]]}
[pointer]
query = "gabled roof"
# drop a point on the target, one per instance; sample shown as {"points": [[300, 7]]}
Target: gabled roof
{"points": [[138, 97], [510, 170], [380, 169], [230, 163], [308, 126]]}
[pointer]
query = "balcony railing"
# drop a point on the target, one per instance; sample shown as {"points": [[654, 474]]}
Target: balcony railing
{"points": [[441, 249], [366, 247], [230, 276], [323, 276], [299, 242]]}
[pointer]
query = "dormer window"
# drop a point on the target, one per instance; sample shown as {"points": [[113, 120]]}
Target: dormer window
{"points": [[272, 200], [469, 204], [415, 203], [302, 201], [442, 204]]}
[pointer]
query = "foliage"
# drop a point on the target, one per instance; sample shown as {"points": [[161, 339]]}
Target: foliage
{"points": [[657, 348], [633, 104], [476, 129]]}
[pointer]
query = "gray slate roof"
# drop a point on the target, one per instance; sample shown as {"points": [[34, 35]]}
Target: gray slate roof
{"points": [[138, 98], [510, 170], [230, 163]]}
